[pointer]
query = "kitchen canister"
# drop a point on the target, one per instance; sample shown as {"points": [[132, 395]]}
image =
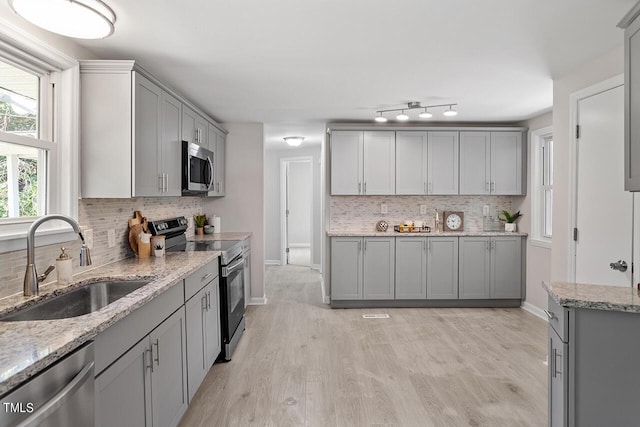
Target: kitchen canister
{"points": [[64, 267], [144, 245], [216, 224]]}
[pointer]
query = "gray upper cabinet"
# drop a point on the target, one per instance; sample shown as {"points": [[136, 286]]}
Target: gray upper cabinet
{"points": [[170, 147], [217, 144], [411, 162], [346, 162], [195, 128], [474, 267], [346, 268], [362, 163], [491, 163], [378, 268], [442, 268], [631, 25], [411, 268], [379, 163], [141, 156], [443, 162], [475, 166], [490, 267]]}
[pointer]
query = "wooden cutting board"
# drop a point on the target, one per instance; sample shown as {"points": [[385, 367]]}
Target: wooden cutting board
{"points": [[134, 232]]}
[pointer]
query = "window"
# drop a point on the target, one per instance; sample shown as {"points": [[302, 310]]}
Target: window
{"points": [[542, 186], [23, 168], [39, 134]]}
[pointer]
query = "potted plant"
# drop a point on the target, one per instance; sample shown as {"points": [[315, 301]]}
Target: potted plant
{"points": [[510, 220], [199, 220], [158, 250]]}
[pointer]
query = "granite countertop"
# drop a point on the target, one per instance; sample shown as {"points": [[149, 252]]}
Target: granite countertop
{"points": [[597, 297], [27, 347], [230, 235], [391, 233]]}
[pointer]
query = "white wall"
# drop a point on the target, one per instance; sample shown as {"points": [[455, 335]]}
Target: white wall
{"points": [[594, 72], [272, 200], [300, 199], [242, 209], [538, 262]]}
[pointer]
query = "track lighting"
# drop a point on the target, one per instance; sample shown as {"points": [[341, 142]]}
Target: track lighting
{"points": [[425, 114], [402, 117], [381, 118]]}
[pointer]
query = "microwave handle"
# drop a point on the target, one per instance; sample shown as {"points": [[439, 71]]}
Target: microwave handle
{"points": [[211, 169]]}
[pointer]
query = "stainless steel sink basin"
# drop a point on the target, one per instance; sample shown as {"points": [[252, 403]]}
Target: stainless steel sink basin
{"points": [[83, 300]]}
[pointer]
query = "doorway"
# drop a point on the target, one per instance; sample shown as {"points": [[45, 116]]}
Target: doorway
{"points": [[602, 211], [296, 195]]}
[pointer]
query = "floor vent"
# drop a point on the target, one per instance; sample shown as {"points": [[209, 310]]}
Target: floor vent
{"points": [[375, 316]]}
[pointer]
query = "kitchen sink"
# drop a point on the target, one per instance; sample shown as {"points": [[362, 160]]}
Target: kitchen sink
{"points": [[80, 301]]}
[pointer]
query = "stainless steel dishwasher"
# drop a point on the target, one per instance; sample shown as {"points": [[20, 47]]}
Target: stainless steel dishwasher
{"points": [[61, 395]]}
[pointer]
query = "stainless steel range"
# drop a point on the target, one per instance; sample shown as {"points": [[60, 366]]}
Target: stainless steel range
{"points": [[234, 256]]}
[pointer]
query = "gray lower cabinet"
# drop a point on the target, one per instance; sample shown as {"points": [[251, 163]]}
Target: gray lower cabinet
{"points": [[411, 268], [203, 333], [379, 268], [346, 268], [442, 268], [593, 372], [490, 267], [362, 268], [147, 386]]}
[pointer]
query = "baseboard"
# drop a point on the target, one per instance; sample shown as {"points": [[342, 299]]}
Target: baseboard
{"points": [[299, 245], [325, 297], [272, 262], [257, 301], [536, 311], [315, 267]]}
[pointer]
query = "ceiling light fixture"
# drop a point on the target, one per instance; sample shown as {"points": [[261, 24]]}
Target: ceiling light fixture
{"points": [[413, 106], [425, 114], [402, 117], [81, 19], [450, 112], [380, 118], [294, 141]]}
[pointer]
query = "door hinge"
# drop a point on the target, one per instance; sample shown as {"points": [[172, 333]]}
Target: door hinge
{"points": [[575, 234], [577, 131], [287, 250], [287, 212]]}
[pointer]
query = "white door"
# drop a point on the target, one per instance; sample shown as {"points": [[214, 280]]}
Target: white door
{"points": [[604, 211]]}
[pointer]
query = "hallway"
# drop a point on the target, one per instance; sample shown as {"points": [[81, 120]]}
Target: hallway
{"points": [[301, 363]]}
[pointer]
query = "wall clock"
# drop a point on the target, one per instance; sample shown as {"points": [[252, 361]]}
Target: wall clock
{"points": [[453, 221]]}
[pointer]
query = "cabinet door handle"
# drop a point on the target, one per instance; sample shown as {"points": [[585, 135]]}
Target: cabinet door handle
{"points": [[486, 245], [208, 301], [206, 276], [203, 302], [365, 187], [359, 246], [487, 186], [550, 315], [429, 245], [430, 189], [365, 245], [161, 186], [493, 186], [553, 362], [554, 368], [150, 351], [424, 245], [166, 186], [157, 358], [493, 244], [359, 187]]}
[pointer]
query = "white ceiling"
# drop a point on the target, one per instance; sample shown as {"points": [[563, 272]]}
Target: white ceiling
{"points": [[295, 65]]}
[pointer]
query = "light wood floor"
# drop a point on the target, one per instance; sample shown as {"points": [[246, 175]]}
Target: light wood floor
{"points": [[301, 363]]}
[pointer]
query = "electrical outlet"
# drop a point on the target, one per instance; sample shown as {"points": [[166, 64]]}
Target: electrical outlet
{"points": [[384, 208], [485, 210], [111, 238], [423, 209], [88, 237]]}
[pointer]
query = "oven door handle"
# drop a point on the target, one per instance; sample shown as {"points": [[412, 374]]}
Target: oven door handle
{"points": [[226, 271]]}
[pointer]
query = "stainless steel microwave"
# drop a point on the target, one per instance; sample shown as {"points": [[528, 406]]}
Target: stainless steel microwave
{"points": [[197, 168]]}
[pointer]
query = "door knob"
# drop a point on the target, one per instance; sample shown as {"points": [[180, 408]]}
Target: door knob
{"points": [[620, 266]]}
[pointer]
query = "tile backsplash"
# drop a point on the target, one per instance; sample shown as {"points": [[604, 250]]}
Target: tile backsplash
{"points": [[100, 215], [363, 212]]}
